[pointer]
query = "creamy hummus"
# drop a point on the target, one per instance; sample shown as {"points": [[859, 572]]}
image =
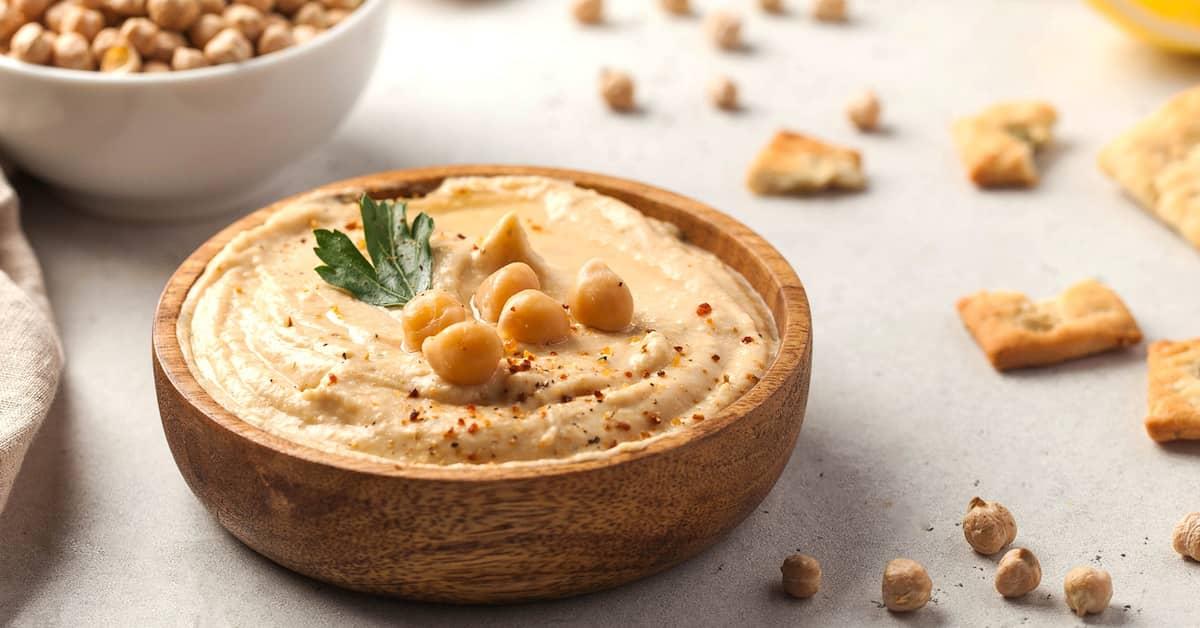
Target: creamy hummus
{"points": [[287, 352]]}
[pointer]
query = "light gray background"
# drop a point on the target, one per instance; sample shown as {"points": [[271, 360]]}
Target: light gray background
{"points": [[906, 420]]}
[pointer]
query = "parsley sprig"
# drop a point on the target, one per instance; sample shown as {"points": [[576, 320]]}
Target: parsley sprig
{"points": [[402, 257]]}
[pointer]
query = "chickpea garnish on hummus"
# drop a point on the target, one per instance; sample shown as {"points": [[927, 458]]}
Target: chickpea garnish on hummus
{"points": [[537, 322]]}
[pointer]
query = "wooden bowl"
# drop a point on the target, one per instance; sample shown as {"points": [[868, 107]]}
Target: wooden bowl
{"points": [[492, 535]]}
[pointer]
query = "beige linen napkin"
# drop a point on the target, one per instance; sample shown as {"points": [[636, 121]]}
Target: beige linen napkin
{"points": [[30, 353]]}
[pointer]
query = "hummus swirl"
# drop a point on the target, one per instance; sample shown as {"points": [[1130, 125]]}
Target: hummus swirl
{"points": [[288, 353]]}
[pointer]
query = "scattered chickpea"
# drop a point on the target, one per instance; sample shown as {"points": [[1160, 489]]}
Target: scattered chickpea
{"points": [[105, 39], [140, 32], [32, 43], [1088, 590], [188, 59], [531, 316], [725, 29], [678, 7], [864, 111], [616, 87], [600, 298], [724, 93], [1018, 573], [504, 244], [228, 46], [176, 15], [121, 58], [988, 526], [801, 575], [31, 9], [246, 19], [588, 11], [205, 28], [466, 353], [829, 10], [427, 314], [71, 51], [312, 14], [126, 8], [500, 286], [1185, 538], [906, 585], [771, 6], [275, 37]]}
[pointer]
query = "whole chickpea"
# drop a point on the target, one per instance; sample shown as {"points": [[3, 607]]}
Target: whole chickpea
{"points": [[616, 88], [801, 575], [303, 33], [165, 45], [187, 59], [105, 39], [906, 585], [724, 29], [176, 15], [312, 14], [988, 526], [864, 111], [829, 10], [54, 14], [600, 299], [501, 285], [1088, 590], [155, 67], [677, 7], [333, 17], [771, 6], [273, 18], [1018, 573], [32, 43], [86, 22], [212, 6], [724, 93], [31, 9], [245, 18], [531, 316], [588, 11], [205, 28], [10, 20], [466, 353], [264, 6], [228, 46], [507, 242], [344, 5], [140, 32], [121, 58], [71, 50], [1185, 538], [427, 314], [274, 38]]}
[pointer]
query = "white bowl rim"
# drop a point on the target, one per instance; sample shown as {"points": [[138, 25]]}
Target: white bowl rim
{"points": [[140, 80]]}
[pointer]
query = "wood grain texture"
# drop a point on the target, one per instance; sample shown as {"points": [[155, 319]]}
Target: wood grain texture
{"points": [[495, 535]]}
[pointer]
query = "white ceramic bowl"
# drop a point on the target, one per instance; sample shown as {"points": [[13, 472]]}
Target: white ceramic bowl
{"points": [[178, 145]]}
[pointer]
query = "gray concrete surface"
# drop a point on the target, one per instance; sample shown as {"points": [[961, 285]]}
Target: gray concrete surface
{"points": [[906, 420]]}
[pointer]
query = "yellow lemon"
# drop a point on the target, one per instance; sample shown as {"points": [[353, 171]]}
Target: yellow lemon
{"points": [[1170, 24]]}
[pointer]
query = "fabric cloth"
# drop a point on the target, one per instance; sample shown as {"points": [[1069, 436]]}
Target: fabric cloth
{"points": [[30, 352]]}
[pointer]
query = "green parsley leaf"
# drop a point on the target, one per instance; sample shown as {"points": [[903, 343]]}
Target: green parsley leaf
{"points": [[402, 257]]}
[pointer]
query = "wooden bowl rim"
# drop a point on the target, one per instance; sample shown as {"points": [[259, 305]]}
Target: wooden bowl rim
{"points": [[795, 337]]}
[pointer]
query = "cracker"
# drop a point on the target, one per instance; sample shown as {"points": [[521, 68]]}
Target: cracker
{"points": [[797, 164], [1157, 162], [1174, 391], [1015, 332], [997, 145]]}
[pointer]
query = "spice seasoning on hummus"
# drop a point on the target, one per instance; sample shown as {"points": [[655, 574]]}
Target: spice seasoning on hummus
{"points": [[559, 399]]}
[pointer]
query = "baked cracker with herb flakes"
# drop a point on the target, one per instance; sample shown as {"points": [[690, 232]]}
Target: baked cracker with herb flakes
{"points": [[1174, 391], [1157, 162], [998, 144], [1015, 332], [797, 164]]}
